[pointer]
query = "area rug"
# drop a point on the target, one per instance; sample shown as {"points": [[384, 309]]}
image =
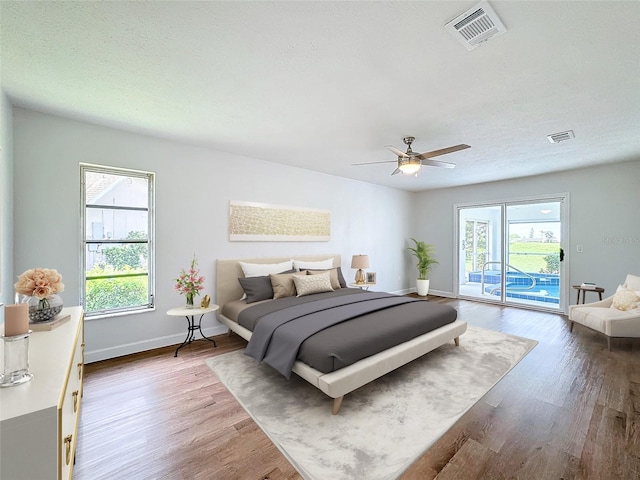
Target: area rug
{"points": [[383, 427]]}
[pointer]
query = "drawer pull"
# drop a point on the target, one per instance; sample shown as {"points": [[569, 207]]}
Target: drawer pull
{"points": [[75, 401], [80, 371], [67, 446]]}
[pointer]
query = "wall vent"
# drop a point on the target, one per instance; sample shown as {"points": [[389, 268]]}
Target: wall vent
{"points": [[561, 136], [476, 26]]}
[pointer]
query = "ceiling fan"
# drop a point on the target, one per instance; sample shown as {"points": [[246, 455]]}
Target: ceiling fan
{"points": [[411, 162]]}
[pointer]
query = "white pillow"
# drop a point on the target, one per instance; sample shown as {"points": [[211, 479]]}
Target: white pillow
{"points": [[632, 282], [310, 284], [263, 269], [319, 265], [624, 287], [625, 300]]}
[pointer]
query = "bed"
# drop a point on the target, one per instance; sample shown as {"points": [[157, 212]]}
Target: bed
{"points": [[338, 382]]}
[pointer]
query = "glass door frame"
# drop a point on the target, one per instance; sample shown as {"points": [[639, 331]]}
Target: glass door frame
{"points": [[562, 199]]}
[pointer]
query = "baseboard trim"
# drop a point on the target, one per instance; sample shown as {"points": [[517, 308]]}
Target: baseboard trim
{"points": [[435, 293], [143, 346], [441, 293], [404, 291]]}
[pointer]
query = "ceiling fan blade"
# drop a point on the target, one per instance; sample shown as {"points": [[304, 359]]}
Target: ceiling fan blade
{"points": [[373, 163], [396, 171], [438, 163], [443, 151], [399, 153]]}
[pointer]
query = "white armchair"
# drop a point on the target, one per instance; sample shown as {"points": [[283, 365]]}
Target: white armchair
{"points": [[603, 317]]}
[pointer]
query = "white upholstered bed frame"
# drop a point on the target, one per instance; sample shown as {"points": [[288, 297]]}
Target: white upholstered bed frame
{"points": [[339, 383]]}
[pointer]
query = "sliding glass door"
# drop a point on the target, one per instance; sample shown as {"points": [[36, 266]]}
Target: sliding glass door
{"points": [[510, 253], [481, 250]]}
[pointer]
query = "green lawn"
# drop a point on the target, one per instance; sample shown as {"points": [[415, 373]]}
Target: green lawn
{"points": [[534, 247], [529, 256]]}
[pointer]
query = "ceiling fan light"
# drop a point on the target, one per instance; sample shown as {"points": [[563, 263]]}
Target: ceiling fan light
{"points": [[410, 167]]}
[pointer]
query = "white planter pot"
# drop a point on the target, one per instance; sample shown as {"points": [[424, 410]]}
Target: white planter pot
{"points": [[422, 286]]}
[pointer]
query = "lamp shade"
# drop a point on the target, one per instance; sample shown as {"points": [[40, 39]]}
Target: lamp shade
{"points": [[360, 261]]}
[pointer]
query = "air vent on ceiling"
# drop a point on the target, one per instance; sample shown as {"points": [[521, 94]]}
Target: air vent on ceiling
{"points": [[561, 136], [476, 25]]}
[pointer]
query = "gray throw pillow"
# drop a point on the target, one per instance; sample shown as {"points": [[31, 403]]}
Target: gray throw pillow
{"points": [[341, 279], [258, 288]]}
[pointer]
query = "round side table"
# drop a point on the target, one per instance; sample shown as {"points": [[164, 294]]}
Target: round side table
{"points": [[190, 314]]}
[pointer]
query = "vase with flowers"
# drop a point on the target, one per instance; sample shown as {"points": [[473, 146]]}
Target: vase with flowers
{"points": [[189, 282], [41, 286]]}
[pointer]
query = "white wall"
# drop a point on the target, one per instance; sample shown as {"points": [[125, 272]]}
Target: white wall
{"points": [[193, 189], [6, 202], [604, 218]]}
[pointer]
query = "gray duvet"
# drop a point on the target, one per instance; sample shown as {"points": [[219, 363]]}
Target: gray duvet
{"points": [[329, 331]]}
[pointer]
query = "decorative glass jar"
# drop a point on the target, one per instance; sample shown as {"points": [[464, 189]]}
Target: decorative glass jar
{"points": [[43, 309]]}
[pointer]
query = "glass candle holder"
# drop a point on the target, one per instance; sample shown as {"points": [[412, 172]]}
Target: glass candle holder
{"points": [[15, 369]]}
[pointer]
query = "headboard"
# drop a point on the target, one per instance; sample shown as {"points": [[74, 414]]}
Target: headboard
{"points": [[228, 271]]}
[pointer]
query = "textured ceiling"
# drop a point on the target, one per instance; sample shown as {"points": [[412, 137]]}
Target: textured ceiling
{"points": [[322, 85]]}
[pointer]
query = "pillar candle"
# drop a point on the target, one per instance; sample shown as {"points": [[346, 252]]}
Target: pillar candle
{"points": [[16, 319]]}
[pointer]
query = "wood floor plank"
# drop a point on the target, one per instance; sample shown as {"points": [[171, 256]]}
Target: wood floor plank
{"points": [[472, 456], [570, 409]]}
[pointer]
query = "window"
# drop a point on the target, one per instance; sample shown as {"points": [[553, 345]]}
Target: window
{"points": [[475, 244], [117, 239]]}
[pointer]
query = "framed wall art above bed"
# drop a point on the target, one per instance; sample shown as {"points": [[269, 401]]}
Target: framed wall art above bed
{"points": [[263, 222]]}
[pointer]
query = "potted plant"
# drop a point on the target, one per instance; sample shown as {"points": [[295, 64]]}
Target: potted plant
{"points": [[424, 253]]}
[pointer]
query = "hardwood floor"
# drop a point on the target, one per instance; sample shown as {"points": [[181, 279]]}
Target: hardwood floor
{"points": [[569, 410]]}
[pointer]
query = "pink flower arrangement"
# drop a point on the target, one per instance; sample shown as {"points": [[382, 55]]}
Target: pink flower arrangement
{"points": [[39, 282], [190, 282]]}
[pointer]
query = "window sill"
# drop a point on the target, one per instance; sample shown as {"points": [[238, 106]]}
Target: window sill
{"points": [[89, 317]]}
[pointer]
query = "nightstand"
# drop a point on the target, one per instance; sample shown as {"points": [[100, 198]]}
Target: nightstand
{"points": [[362, 286], [190, 313]]}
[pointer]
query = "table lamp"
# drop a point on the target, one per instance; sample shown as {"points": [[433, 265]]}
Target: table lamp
{"points": [[360, 262]]}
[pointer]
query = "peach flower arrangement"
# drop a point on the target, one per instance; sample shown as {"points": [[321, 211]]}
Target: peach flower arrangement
{"points": [[39, 282]]}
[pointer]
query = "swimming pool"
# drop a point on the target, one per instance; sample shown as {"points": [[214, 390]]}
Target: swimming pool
{"points": [[539, 293], [546, 289]]}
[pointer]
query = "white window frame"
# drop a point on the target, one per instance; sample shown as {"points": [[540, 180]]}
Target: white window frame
{"points": [[150, 176]]}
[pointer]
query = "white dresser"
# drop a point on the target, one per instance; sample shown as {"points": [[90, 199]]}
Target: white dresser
{"points": [[39, 419]]}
